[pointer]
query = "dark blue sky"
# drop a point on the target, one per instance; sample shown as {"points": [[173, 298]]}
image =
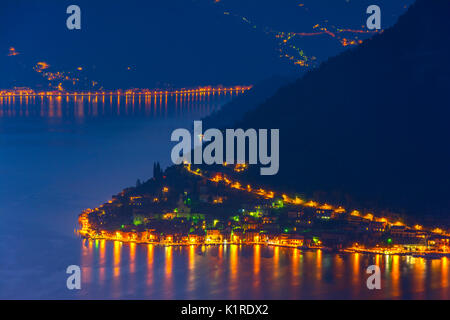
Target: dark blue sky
{"points": [[178, 42]]}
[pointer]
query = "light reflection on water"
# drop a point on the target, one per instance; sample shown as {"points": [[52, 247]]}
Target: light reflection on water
{"points": [[80, 107], [253, 272], [61, 155]]}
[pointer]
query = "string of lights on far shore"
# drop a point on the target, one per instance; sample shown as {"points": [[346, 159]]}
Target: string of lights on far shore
{"points": [[18, 92]]}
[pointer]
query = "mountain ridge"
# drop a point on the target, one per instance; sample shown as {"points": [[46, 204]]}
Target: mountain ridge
{"points": [[369, 125]]}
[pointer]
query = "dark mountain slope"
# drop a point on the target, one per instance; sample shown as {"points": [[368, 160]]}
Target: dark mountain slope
{"points": [[235, 110], [370, 127]]}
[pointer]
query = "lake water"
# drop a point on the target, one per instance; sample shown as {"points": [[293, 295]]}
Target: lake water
{"points": [[59, 156]]}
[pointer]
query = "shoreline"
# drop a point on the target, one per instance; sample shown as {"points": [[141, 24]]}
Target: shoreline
{"points": [[83, 237], [425, 255], [130, 92]]}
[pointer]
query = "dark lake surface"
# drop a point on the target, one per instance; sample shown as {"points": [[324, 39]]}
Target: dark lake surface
{"points": [[59, 156]]}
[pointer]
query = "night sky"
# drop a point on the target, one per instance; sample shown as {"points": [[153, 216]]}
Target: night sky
{"points": [[175, 43]]}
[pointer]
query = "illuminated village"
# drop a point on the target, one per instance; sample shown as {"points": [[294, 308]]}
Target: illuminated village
{"points": [[191, 206], [74, 83], [288, 44]]}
